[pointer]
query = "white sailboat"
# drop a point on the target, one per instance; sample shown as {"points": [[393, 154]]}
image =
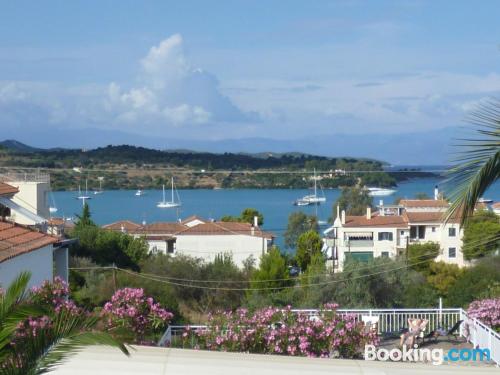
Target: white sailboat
{"points": [[312, 199], [100, 191], [83, 196], [52, 207], [172, 203], [380, 192]]}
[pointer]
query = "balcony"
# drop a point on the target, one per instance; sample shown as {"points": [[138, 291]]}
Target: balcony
{"points": [[360, 243]]}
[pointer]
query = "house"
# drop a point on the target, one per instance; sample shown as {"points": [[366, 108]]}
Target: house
{"points": [[200, 238], [26, 249], [388, 231], [29, 203], [496, 207]]}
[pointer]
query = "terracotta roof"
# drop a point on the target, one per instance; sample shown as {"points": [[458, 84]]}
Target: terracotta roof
{"points": [[423, 203], [375, 221], [496, 205], [56, 221], [152, 237], [427, 217], [193, 218], [128, 225], [228, 228], [16, 240], [162, 228], [8, 190]]}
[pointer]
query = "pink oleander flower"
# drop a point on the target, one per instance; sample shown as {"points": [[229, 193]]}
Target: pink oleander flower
{"points": [[131, 310], [487, 311]]}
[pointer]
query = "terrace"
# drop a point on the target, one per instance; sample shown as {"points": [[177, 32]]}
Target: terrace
{"points": [[471, 334]]}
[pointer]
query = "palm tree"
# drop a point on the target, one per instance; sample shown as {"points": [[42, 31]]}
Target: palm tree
{"points": [[478, 164], [39, 353]]}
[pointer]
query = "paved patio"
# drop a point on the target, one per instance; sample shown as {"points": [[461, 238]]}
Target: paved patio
{"points": [[161, 361]]}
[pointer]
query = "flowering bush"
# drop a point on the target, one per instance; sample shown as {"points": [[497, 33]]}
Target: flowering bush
{"points": [[487, 311], [281, 331], [54, 295], [131, 311]]}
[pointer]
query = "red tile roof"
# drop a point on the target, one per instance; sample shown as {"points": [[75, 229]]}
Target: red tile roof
{"points": [[128, 225], [428, 217], [225, 228], [375, 221], [7, 190], [496, 205], [193, 218], [162, 228], [424, 203], [16, 240]]}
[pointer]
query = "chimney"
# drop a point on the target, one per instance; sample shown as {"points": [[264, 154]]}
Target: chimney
{"points": [[368, 213], [144, 223], [122, 229], [436, 193], [337, 223], [342, 218], [256, 221]]}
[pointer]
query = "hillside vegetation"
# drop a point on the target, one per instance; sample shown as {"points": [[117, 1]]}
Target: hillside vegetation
{"points": [[131, 167]]}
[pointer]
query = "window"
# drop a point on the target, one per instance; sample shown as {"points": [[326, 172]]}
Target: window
{"points": [[452, 252], [417, 232], [452, 232], [433, 229], [402, 232], [385, 236], [385, 254]]}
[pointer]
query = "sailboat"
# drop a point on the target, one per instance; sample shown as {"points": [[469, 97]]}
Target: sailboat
{"points": [[52, 207], [379, 192], [100, 191], [83, 196], [312, 199], [172, 203], [139, 193]]}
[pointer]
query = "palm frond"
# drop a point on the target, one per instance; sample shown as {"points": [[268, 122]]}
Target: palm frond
{"points": [[52, 345], [15, 292], [11, 321], [478, 163]]}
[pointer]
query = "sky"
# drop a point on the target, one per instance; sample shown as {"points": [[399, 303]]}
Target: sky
{"points": [[335, 77]]}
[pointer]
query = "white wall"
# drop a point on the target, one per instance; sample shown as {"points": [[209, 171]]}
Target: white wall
{"points": [[33, 196], [38, 262], [208, 246]]}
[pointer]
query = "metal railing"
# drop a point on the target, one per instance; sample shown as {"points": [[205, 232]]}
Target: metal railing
{"points": [[391, 322], [31, 176], [481, 336]]}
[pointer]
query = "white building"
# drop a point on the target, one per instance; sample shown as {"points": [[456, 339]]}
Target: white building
{"points": [[30, 203], [27, 248], [496, 207], [24, 249], [201, 238], [388, 232]]}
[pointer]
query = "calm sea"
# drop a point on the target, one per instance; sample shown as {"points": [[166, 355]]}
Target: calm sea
{"points": [[274, 204]]}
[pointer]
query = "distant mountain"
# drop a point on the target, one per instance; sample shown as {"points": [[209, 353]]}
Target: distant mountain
{"points": [[412, 148], [12, 144]]}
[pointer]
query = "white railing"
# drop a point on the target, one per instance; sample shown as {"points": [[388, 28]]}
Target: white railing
{"points": [[481, 336], [16, 176], [392, 321]]}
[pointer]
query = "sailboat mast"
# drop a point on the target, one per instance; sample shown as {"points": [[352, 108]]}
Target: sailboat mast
{"points": [[315, 187], [172, 189], [163, 193]]}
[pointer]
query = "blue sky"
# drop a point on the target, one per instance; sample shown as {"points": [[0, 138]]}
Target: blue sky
{"points": [[215, 70]]}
